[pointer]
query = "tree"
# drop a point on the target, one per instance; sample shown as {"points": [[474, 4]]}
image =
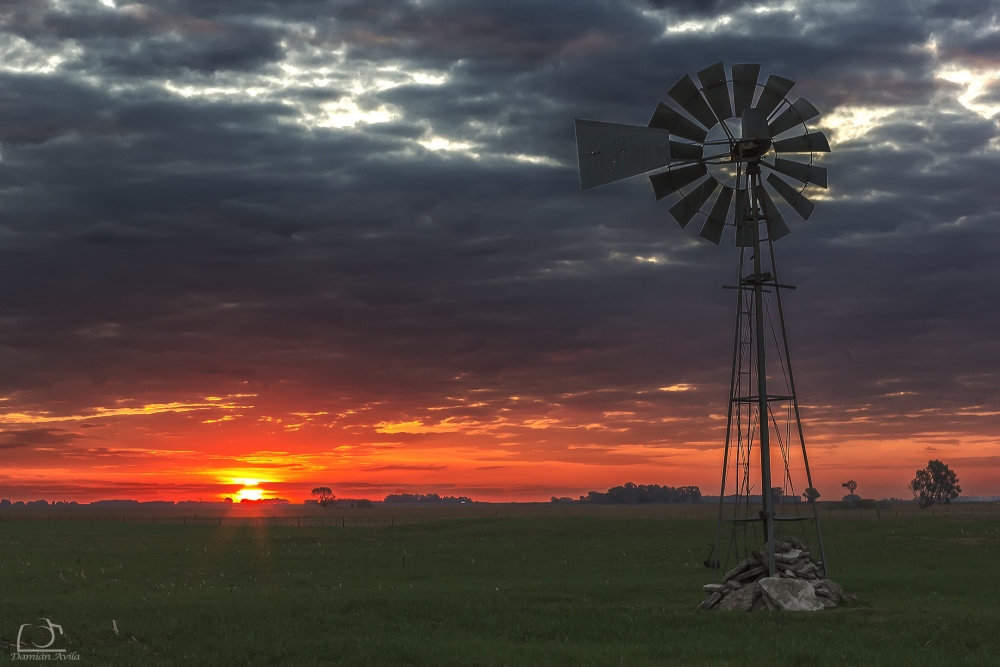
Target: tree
{"points": [[935, 485], [325, 495]]}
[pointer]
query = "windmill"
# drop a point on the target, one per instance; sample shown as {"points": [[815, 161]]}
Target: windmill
{"points": [[730, 135], [851, 487]]}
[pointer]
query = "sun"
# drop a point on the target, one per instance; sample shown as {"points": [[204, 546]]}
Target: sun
{"points": [[249, 494], [250, 490]]}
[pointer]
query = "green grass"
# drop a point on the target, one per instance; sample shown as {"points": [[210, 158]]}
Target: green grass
{"points": [[518, 591]]}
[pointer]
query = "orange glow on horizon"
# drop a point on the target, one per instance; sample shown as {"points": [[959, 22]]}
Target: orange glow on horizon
{"points": [[489, 446]]}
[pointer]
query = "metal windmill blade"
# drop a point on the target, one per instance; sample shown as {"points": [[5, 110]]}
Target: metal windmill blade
{"points": [[687, 94], [802, 206], [806, 173], [797, 113], [744, 86], [716, 90], [715, 226], [692, 202], [811, 142]]}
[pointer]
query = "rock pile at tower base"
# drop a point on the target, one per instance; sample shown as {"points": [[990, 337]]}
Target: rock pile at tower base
{"points": [[799, 583]]}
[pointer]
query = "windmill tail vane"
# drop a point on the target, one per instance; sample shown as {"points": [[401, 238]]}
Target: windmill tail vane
{"points": [[736, 154]]}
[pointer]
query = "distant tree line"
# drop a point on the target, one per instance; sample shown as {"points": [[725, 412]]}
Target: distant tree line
{"points": [[325, 497], [425, 498], [114, 504], [634, 494], [37, 504]]}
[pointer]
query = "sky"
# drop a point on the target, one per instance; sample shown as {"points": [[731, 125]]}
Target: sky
{"points": [[344, 243]]}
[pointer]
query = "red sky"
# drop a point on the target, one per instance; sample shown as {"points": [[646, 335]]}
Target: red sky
{"points": [[346, 246], [482, 444]]}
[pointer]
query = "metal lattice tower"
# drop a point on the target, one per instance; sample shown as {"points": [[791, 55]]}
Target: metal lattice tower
{"points": [[726, 135]]}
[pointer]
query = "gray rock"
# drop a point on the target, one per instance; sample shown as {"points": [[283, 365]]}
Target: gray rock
{"points": [[790, 594], [734, 584], [752, 573], [787, 556], [739, 569], [827, 602], [713, 588], [742, 599], [804, 569], [836, 592], [710, 601], [782, 545]]}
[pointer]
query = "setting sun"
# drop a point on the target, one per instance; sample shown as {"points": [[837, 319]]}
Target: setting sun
{"points": [[249, 494], [250, 490]]}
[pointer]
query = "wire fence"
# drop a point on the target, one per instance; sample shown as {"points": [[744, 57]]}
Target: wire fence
{"points": [[254, 521], [966, 512]]}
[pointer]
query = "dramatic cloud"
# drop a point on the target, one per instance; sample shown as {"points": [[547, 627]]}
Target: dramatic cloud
{"points": [[344, 242]]}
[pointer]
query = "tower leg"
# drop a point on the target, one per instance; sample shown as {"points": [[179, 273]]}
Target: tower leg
{"points": [[798, 418], [733, 379], [763, 427]]}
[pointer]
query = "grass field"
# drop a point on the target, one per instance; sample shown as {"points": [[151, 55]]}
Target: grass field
{"points": [[537, 590]]}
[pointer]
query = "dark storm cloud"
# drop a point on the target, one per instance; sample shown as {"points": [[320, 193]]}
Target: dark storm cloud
{"points": [[14, 439], [176, 218]]}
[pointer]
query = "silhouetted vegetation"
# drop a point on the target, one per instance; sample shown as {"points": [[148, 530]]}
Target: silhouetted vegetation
{"points": [[360, 503], [632, 494], [935, 485], [325, 496], [425, 498]]}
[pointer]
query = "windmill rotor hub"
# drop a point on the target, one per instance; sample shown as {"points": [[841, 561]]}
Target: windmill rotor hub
{"points": [[750, 150]]}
